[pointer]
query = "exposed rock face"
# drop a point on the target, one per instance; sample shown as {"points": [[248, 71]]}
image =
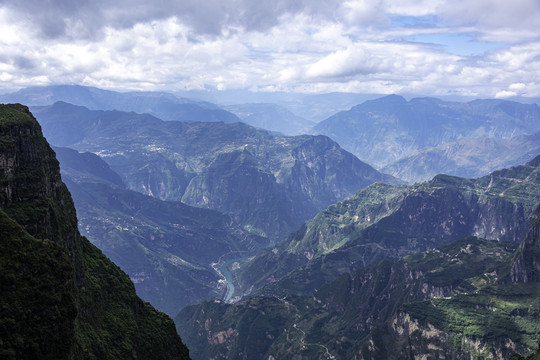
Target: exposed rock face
{"points": [[466, 299], [416, 308], [526, 265], [64, 298]]}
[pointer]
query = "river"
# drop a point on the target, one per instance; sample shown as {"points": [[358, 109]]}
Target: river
{"points": [[228, 278]]}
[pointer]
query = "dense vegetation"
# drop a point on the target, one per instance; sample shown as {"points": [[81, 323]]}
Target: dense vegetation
{"points": [[451, 302], [61, 297], [389, 221]]}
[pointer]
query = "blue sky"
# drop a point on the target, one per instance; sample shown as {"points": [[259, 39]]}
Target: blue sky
{"points": [[481, 48]]}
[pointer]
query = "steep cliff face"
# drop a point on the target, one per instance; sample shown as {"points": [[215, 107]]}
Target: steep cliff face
{"points": [[64, 298], [490, 316], [447, 302], [525, 266]]}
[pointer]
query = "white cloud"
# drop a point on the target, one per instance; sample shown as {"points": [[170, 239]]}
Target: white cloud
{"points": [[302, 45], [363, 13], [413, 8], [349, 62]]}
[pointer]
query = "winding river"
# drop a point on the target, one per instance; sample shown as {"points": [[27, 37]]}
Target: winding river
{"points": [[228, 278]]}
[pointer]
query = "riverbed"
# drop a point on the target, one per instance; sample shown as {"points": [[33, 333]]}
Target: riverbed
{"points": [[228, 278]]}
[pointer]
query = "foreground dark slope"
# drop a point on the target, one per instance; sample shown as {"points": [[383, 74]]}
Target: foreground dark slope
{"points": [[269, 185], [60, 297], [387, 129], [167, 248], [387, 222], [469, 299]]}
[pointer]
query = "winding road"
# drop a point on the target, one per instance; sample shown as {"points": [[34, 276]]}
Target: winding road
{"points": [[303, 343]]}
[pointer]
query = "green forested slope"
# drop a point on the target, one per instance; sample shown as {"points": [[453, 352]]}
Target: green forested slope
{"points": [[389, 221], [62, 298]]}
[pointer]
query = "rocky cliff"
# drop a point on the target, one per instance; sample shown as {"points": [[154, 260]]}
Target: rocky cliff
{"points": [[525, 266], [441, 303], [61, 298]]}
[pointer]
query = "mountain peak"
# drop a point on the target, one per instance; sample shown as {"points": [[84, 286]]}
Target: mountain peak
{"points": [[388, 100]]}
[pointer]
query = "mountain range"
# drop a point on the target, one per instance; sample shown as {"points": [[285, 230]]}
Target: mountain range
{"points": [[409, 281], [270, 246], [385, 131], [164, 105], [454, 301], [411, 140], [271, 117], [389, 221], [268, 184], [466, 157]]}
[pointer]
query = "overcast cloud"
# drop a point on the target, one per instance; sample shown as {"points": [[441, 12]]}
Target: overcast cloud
{"points": [[483, 48]]}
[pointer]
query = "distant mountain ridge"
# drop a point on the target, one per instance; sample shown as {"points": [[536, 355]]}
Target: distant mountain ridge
{"points": [[268, 184], [472, 157], [165, 106], [413, 140], [387, 129], [271, 117]]}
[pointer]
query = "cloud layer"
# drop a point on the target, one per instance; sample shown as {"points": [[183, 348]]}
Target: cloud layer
{"points": [[485, 48]]}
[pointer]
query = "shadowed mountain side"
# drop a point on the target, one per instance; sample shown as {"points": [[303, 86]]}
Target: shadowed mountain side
{"points": [[60, 297], [165, 247]]}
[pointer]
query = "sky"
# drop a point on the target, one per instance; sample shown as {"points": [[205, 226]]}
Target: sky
{"points": [[473, 48]]}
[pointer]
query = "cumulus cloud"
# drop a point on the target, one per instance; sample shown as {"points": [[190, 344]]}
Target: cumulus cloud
{"points": [[345, 63], [300, 45], [57, 18]]}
